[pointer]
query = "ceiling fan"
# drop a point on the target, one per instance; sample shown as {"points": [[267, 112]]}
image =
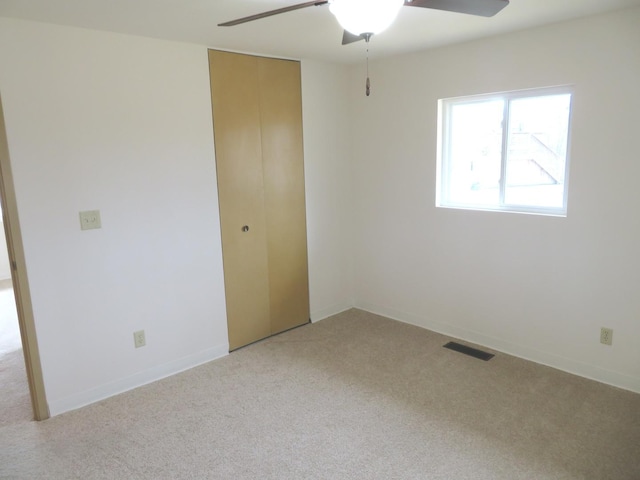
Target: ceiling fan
{"points": [[363, 18]]}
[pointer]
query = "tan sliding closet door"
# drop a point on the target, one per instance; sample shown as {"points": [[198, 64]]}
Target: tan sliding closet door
{"points": [[282, 158], [257, 121], [236, 117]]}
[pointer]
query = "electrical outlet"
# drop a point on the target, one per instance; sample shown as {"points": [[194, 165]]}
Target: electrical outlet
{"points": [[138, 339], [606, 336]]}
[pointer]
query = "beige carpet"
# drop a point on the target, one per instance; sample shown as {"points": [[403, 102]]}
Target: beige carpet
{"points": [[15, 404], [356, 396]]}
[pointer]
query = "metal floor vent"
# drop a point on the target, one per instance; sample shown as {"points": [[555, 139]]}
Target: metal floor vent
{"points": [[473, 352]]}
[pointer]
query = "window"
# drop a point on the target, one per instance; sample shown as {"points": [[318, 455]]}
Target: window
{"points": [[506, 151]]}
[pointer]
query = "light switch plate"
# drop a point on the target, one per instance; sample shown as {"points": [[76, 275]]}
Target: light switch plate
{"points": [[90, 219]]}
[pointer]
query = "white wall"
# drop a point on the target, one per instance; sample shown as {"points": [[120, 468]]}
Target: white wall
{"points": [[327, 156], [123, 124], [539, 287]]}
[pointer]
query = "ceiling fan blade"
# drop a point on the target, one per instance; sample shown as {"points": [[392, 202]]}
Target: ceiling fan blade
{"points": [[483, 8], [348, 37], [270, 13]]}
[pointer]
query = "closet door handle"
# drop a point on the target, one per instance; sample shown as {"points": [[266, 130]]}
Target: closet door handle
{"points": [[245, 228]]}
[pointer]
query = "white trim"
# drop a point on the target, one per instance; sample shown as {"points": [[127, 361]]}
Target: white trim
{"points": [[159, 372], [519, 210], [330, 311], [565, 364]]}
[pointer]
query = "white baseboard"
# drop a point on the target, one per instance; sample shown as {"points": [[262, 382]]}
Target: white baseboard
{"points": [[330, 311], [159, 372], [559, 362]]}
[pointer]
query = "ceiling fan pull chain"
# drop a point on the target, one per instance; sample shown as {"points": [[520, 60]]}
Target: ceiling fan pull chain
{"points": [[367, 88]]}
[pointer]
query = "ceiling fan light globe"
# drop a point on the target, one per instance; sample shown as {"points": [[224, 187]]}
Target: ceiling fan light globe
{"points": [[365, 16]]}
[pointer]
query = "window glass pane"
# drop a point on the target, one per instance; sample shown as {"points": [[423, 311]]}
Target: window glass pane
{"points": [[475, 150], [537, 152]]}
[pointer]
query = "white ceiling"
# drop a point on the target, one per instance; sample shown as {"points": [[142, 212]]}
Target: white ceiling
{"points": [[308, 33]]}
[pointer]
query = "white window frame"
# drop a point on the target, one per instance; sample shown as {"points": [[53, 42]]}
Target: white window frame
{"points": [[444, 146]]}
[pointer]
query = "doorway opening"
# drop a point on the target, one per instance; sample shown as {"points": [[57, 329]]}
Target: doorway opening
{"points": [[15, 403], [20, 285]]}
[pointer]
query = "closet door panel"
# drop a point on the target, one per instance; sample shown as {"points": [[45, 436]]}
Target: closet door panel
{"points": [[283, 166], [237, 134]]}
